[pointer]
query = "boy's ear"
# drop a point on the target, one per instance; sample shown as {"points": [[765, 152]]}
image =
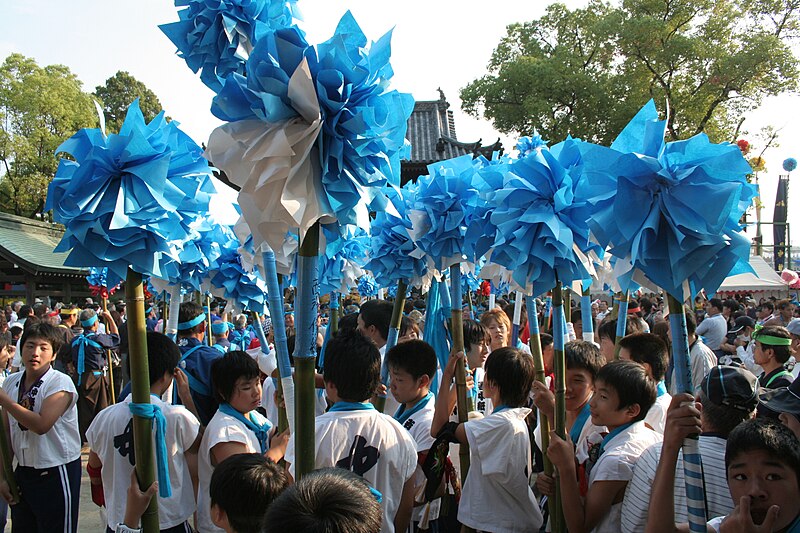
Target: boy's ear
{"points": [[424, 381], [219, 517], [633, 410]]}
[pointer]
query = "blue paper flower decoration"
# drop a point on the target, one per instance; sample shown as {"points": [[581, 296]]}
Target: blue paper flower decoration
{"points": [[671, 209], [201, 254], [342, 262], [444, 207], [217, 36], [469, 282], [392, 254], [101, 277], [789, 164], [526, 145], [246, 288], [129, 198], [367, 286], [540, 221], [391, 292]]}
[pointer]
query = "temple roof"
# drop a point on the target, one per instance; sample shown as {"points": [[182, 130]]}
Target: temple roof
{"points": [[30, 243]]}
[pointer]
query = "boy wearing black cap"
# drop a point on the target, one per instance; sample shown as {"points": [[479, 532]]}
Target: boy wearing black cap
{"points": [[729, 396], [782, 404]]}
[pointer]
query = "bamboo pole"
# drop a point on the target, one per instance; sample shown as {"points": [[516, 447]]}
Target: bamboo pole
{"points": [[109, 355], [622, 322], [587, 322], [140, 390], [535, 343], [559, 364], [391, 341], [275, 300], [210, 335], [306, 320], [457, 332], [333, 322]]}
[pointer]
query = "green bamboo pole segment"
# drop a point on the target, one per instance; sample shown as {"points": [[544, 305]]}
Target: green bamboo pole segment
{"points": [[109, 358], [6, 452], [622, 319], [457, 332], [209, 335], [140, 390], [333, 323], [391, 341], [535, 343], [560, 367], [305, 393], [567, 304], [283, 419], [165, 314]]}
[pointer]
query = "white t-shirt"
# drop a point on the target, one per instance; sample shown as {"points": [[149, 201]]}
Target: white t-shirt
{"points": [[419, 425], [221, 428], [391, 405], [268, 389], [616, 464], [702, 360], [60, 445], [657, 415], [636, 505], [713, 329], [110, 436], [496, 495], [371, 444]]}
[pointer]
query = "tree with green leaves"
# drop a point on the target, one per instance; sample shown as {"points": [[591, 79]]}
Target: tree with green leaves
{"points": [[40, 107], [117, 94], [586, 71]]}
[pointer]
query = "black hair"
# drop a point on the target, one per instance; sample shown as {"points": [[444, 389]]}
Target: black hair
{"points": [[329, 500], [377, 313], [721, 418], [349, 321], [716, 303], [646, 304], [407, 324], [353, 364], [24, 312], [767, 305], [768, 436], [632, 385], [42, 331], [647, 348], [545, 339], [782, 353], [227, 370], [244, 485], [733, 305], [512, 371], [163, 355], [189, 311], [416, 357], [474, 333], [584, 355], [608, 327]]}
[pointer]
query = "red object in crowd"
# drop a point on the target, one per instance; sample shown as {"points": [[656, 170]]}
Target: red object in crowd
{"points": [[486, 288], [744, 146]]}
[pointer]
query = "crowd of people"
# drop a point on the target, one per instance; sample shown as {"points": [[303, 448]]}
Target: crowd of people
{"points": [[214, 393]]}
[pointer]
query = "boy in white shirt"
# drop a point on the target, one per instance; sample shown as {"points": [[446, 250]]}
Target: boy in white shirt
{"points": [[651, 352], [235, 428], [43, 417], [412, 366], [354, 436], [110, 437], [623, 395], [496, 495]]}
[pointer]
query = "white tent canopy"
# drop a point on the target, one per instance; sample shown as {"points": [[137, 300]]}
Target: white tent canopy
{"points": [[765, 279]]}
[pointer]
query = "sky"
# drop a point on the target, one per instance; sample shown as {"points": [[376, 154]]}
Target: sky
{"points": [[435, 44]]}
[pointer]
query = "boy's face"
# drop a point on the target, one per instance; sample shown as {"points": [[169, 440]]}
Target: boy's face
{"points": [[498, 334], [7, 354], [405, 388], [579, 388], [246, 394], [477, 354], [607, 348], [605, 407], [37, 354], [767, 482]]}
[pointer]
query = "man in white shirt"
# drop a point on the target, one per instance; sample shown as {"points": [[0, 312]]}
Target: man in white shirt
{"points": [[714, 328], [701, 358]]}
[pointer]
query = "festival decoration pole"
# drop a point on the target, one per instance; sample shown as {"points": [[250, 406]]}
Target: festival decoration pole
{"points": [[535, 343], [275, 298], [492, 300], [391, 341], [622, 322], [6, 452], [333, 323], [559, 365], [208, 320], [517, 319], [304, 357], [140, 391], [587, 322], [109, 355], [457, 332]]}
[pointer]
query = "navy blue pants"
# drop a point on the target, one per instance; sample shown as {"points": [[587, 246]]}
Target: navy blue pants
{"points": [[49, 499]]}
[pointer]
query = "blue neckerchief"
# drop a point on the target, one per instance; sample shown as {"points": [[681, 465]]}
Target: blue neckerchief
{"points": [[500, 408], [795, 526], [661, 389], [520, 345], [261, 431], [238, 339], [402, 415], [82, 341], [351, 406], [613, 434], [153, 412], [580, 421]]}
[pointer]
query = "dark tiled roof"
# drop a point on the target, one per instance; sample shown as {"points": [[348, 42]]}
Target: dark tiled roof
{"points": [[30, 244]]}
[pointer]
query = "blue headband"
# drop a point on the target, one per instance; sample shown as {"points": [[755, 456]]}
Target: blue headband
{"points": [[220, 327], [193, 322], [149, 310], [89, 322]]}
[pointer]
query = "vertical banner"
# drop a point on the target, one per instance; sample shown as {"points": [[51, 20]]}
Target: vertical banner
{"points": [[779, 224]]}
